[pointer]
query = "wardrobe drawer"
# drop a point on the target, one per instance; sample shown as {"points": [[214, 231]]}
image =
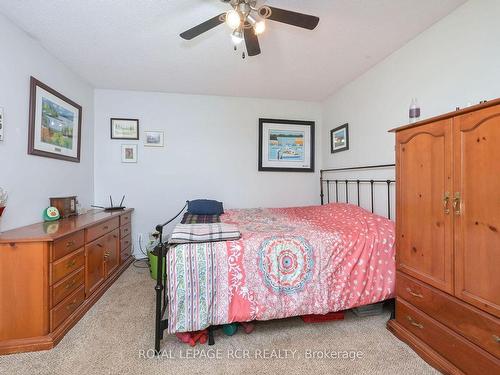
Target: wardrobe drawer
{"points": [[463, 354], [125, 242], [476, 325], [125, 254], [125, 218], [67, 265], [101, 229], [66, 286], [125, 230], [66, 308], [67, 245]]}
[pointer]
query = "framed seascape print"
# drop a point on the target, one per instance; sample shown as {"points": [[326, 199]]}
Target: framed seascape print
{"points": [[153, 138], [124, 128], [339, 139], [129, 153], [55, 124], [286, 145]]}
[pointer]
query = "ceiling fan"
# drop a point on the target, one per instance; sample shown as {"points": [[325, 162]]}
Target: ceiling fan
{"points": [[247, 22]]}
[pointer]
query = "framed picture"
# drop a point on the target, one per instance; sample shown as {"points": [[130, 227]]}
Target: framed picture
{"points": [[55, 124], [129, 153], [286, 145], [124, 128], [153, 138], [339, 139]]}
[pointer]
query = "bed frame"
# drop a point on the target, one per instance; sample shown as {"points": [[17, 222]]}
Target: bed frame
{"points": [[162, 247]]}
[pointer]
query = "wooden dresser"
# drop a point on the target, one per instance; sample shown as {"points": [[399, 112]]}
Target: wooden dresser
{"points": [[52, 273], [448, 239]]}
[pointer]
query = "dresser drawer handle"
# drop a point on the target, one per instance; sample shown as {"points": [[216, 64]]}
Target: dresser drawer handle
{"points": [[70, 243], [418, 295], [71, 264], [496, 339], [70, 285], [414, 323], [71, 305]]}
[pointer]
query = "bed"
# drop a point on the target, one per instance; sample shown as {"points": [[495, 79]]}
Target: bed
{"points": [[288, 262]]}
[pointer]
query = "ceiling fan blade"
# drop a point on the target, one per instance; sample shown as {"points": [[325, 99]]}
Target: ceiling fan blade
{"points": [[203, 27], [251, 41], [305, 21]]}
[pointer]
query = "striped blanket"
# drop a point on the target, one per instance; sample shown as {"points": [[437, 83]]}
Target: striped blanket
{"points": [[199, 219], [186, 233]]}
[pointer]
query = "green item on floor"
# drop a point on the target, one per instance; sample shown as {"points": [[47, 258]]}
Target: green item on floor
{"points": [[230, 329], [153, 265]]}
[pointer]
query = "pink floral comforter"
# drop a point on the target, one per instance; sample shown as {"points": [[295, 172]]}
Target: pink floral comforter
{"points": [[289, 262]]}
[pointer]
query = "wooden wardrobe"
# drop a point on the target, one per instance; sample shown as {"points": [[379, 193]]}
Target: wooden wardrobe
{"points": [[448, 239]]}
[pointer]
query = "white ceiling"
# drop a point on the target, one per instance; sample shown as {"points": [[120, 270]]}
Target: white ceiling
{"points": [[130, 44]]}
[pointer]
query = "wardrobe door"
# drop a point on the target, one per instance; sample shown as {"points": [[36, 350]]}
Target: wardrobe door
{"points": [[424, 216], [477, 213]]}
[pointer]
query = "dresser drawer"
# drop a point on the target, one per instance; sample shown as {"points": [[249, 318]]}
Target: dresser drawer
{"points": [[101, 229], [67, 245], [125, 218], [66, 286], [125, 230], [476, 325], [64, 266], [66, 307], [125, 242], [125, 254], [463, 354]]}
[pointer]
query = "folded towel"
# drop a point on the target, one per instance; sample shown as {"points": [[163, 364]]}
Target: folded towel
{"points": [[185, 233]]}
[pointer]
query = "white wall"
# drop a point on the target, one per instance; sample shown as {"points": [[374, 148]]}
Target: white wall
{"points": [[454, 62], [211, 151], [31, 180]]}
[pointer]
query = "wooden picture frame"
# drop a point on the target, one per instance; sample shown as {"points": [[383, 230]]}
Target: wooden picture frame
{"points": [[55, 124], [286, 145], [339, 139], [124, 128]]}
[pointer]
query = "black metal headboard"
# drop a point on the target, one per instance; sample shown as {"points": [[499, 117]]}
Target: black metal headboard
{"points": [[329, 182]]}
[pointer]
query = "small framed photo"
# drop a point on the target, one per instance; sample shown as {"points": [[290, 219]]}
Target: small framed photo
{"points": [[339, 139], [153, 138], [129, 153], [124, 128]]}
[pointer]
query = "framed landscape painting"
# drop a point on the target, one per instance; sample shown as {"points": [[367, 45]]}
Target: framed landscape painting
{"points": [[286, 145], [55, 124], [124, 128], [339, 139]]}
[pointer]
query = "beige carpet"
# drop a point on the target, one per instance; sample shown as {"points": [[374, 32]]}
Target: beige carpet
{"points": [[111, 336]]}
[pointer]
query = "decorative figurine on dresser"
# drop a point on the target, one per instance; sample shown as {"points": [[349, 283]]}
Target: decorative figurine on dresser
{"points": [[448, 239], [52, 273]]}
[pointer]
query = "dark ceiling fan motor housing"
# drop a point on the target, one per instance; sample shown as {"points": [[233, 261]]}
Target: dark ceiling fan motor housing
{"points": [[246, 9]]}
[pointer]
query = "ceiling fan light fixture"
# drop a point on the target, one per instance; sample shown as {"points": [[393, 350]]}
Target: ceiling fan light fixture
{"points": [[237, 37], [233, 19], [260, 27]]}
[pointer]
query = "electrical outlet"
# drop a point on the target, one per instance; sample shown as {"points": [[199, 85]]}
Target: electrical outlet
{"points": [[1, 124]]}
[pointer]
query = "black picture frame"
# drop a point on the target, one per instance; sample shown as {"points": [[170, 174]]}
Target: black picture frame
{"points": [[310, 124], [114, 119], [35, 85], [336, 130]]}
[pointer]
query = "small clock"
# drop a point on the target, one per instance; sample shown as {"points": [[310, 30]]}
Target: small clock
{"points": [[51, 214]]}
